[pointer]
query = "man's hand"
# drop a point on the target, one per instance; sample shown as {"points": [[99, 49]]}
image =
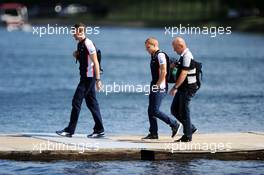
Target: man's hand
{"points": [[98, 85], [172, 65], [173, 91], [158, 85], [75, 54]]}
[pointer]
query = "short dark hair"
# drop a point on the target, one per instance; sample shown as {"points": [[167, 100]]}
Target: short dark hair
{"points": [[79, 26]]}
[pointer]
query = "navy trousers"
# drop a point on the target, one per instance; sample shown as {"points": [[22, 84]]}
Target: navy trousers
{"points": [[85, 90], [180, 108], [155, 99]]}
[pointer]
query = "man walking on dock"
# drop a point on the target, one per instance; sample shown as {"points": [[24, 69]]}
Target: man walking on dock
{"points": [[159, 65], [184, 89], [86, 55]]}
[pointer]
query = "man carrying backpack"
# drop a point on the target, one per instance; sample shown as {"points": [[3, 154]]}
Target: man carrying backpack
{"points": [[184, 89], [159, 65], [86, 55]]}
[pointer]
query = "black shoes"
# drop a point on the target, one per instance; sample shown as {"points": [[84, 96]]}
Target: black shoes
{"points": [[151, 136], [93, 135], [175, 130], [184, 138], [96, 135], [64, 133]]}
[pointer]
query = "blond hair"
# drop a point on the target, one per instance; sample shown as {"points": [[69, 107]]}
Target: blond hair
{"points": [[152, 41]]}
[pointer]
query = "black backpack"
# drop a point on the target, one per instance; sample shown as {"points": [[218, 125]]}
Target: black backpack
{"points": [[199, 72], [169, 77]]}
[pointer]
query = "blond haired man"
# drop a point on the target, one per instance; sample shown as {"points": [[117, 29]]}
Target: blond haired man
{"points": [[159, 67]]}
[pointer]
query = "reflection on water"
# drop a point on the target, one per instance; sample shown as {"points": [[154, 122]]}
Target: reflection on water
{"points": [[133, 167]]}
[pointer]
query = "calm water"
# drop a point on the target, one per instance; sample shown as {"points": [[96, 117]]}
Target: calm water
{"points": [[196, 167], [38, 77]]}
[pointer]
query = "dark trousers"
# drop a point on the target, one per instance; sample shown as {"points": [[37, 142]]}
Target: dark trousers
{"points": [[180, 109], [85, 90], [155, 99]]}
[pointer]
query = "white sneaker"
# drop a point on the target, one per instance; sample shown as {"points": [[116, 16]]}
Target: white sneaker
{"points": [[96, 135], [64, 133]]}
